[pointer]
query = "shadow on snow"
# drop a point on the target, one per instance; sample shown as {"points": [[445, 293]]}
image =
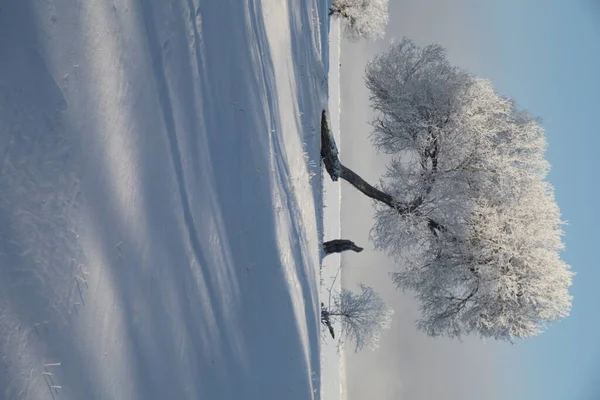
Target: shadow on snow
{"points": [[183, 279]]}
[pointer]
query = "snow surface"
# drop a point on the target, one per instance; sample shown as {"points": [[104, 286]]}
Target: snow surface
{"points": [[159, 222], [332, 354]]}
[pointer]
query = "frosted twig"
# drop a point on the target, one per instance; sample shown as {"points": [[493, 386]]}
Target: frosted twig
{"points": [[49, 387], [82, 279], [79, 290], [56, 364], [331, 287]]}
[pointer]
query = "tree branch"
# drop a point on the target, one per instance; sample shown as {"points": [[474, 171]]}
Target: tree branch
{"points": [[340, 245]]}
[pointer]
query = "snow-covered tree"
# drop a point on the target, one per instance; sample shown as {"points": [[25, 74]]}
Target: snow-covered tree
{"points": [[362, 18], [464, 206], [362, 316]]}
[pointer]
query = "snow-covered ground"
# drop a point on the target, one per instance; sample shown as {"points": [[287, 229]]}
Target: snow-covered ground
{"points": [[159, 226], [332, 355]]}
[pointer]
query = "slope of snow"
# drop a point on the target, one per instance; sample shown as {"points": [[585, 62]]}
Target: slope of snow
{"points": [[159, 226]]}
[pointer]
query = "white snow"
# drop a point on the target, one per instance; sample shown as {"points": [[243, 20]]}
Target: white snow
{"points": [[159, 222], [332, 355]]}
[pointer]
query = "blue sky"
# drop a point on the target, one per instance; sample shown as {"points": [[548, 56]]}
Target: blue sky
{"points": [[546, 56]]}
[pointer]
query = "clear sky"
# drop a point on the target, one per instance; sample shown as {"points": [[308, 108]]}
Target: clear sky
{"points": [[545, 54]]}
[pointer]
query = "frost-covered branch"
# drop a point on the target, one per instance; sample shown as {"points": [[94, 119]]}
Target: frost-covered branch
{"points": [[464, 205], [362, 316]]}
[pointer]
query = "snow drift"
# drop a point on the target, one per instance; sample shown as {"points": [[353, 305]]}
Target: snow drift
{"points": [[159, 226]]}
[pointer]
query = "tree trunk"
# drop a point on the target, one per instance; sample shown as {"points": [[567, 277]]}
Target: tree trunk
{"points": [[359, 183], [339, 245], [328, 150], [326, 320], [336, 169]]}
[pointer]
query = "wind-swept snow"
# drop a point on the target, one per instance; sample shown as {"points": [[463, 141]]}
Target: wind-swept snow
{"points": [[159, 227]]}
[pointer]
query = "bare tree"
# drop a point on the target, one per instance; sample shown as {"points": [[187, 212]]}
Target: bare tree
{"points": [[464, 206], [362, 316], [362, 18]]}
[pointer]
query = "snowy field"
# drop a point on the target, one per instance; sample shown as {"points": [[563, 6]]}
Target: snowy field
{"points": [[159, 218], [332, 356]]}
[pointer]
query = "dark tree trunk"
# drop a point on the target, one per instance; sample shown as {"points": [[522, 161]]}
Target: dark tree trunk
{"points": [[329, 157], [371, 191], [339, 245], [359, 183], [331, 331], [325, 319], [336, 169]]}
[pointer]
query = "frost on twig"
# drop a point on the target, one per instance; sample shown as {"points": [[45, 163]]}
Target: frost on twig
{"points": [[362, 316]]}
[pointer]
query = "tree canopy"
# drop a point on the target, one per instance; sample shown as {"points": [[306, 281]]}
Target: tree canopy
{"points": [[464, 206], [362, 316], [362, 18]]}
